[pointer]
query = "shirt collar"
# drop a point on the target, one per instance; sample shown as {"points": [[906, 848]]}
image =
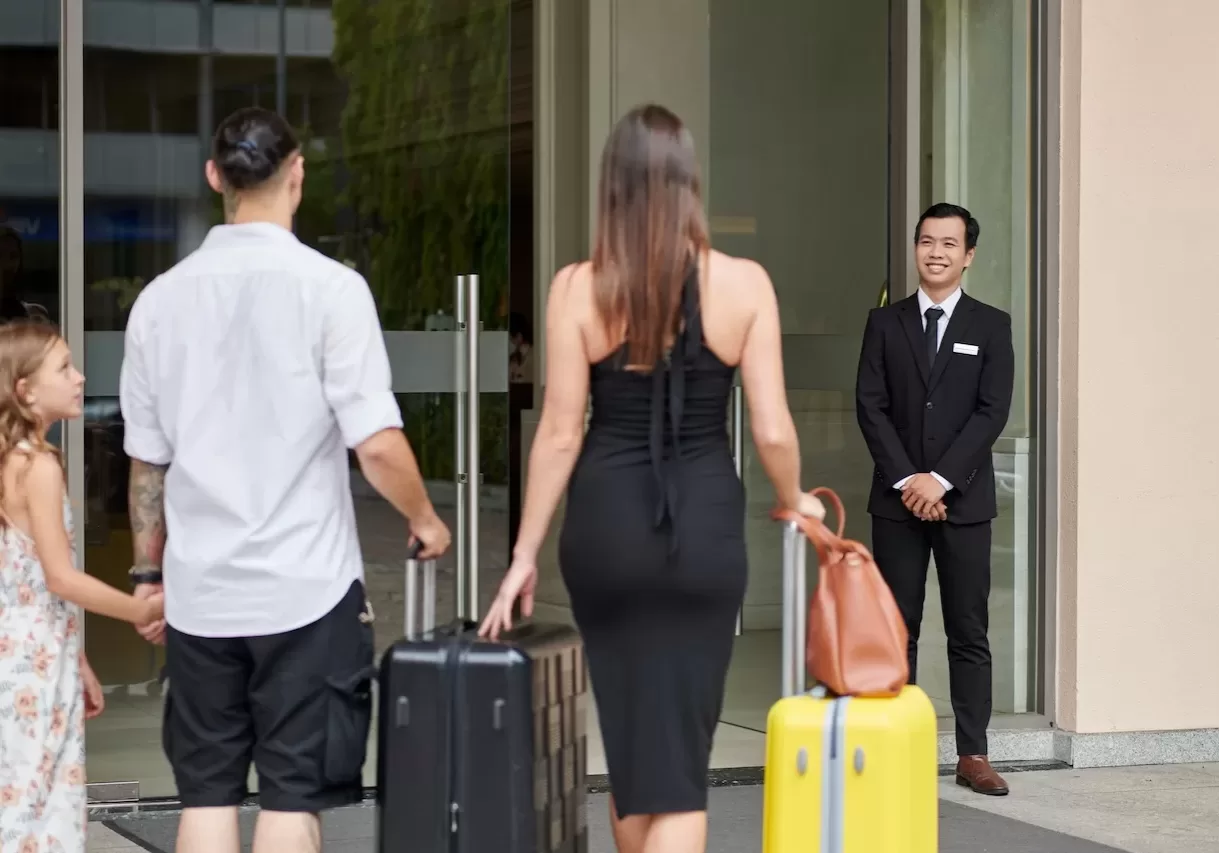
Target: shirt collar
{"points": [[949, 304], [246, 234]]}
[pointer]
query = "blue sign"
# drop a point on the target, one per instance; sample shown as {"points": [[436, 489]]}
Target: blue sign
{"points": [[116, 221]]}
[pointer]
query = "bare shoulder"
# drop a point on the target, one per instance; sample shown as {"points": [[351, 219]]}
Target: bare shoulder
{"points": [[742, 284], [41, 467], [37, 474], [571, 294]]}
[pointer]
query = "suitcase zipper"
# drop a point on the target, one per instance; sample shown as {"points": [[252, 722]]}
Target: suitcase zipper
{"points": [[457, 725]]}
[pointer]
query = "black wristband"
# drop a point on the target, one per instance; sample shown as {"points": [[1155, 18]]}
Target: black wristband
{"points": [[145, 576]]}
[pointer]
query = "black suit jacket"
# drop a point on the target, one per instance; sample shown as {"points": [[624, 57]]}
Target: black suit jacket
{"points": [[946, 417]]}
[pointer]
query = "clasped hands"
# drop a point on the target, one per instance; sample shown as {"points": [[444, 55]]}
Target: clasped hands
{"points": [[923, 495], [153, 632]]}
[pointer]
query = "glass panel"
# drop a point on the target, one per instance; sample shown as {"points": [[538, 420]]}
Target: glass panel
{"points": [[29, 167], [404, 112], [799, 183], [29, 163], [975, 139]]}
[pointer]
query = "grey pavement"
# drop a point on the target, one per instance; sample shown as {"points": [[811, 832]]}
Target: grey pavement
{"points": [[1163, 809]]}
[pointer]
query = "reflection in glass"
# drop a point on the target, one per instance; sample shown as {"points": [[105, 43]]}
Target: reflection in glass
{"points": [[810, 205], [29, 171], [404, 113], [976, 143]]}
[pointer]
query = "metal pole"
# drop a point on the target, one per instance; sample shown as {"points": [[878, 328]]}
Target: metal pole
{"points": [[800, 675], [790, 534], [738, 460], [281, 63], [462, 471], [72, 227], [472, 434]]}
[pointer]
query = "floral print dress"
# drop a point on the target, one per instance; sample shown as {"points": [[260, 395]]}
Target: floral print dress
{"points": [[42, 707]]}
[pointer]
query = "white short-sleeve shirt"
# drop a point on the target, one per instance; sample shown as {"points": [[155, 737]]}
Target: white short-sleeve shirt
{"points": [[249, 369]]}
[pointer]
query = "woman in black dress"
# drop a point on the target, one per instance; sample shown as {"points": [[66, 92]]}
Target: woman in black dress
{"points": [[653, 544]]}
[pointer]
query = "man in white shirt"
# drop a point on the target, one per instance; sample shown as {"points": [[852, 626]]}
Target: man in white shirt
{"points": [[250, 368]]}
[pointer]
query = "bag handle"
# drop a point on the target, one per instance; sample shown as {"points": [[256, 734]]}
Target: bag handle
{"points": [[829, 545], [798, 530]]}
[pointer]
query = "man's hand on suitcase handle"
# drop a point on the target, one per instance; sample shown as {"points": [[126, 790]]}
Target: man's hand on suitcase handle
{"points": [[430, 537]]}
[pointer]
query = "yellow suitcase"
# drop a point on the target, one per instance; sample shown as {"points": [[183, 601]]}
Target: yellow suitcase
{"points": [[844, 775]]}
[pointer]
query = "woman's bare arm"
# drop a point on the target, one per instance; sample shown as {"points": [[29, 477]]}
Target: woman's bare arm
{"points": [[774, 431], [560, 433]]}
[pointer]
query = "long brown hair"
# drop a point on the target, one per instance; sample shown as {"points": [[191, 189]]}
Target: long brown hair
{"points": [[650, 227], [24, 345]]}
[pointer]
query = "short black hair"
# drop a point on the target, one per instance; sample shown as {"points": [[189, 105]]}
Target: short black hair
{"points": [[251, 145], [944, 210]]}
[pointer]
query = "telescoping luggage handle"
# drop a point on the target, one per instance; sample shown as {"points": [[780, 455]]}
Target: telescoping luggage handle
{"points": [[413, 630], [795, 593], [795, 608]]}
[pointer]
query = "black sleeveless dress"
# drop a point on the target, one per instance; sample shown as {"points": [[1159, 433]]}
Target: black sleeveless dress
{"points": [[653, 554]]}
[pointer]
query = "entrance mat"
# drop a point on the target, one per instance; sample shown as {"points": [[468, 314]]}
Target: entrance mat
{"points": [[736, 827]]}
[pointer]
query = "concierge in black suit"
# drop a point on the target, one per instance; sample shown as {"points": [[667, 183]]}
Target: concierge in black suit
{"points": [[942, 417]]}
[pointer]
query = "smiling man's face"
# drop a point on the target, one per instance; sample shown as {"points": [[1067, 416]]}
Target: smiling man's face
{"points": [[940, 252]]}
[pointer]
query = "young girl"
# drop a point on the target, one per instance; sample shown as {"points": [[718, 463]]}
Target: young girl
{"points": [[47, 689]]}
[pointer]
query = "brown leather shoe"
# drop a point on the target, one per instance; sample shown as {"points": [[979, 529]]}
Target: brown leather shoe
{"points": [[974, 772]]}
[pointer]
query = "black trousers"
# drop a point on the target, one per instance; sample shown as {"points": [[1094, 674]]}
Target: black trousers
{"points": [[962, 558]]}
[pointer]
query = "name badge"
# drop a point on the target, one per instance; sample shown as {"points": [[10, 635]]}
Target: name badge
{"points": [[965, 349]]}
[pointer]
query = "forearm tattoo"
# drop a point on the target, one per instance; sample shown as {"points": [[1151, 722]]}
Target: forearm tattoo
{"points": [[146, 505]]}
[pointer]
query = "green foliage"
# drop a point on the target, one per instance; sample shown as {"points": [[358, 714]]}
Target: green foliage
{"points": [[419, 177], [425, 136]]}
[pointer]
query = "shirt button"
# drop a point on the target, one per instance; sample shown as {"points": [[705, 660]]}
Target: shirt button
{"points": [[931, 405]]}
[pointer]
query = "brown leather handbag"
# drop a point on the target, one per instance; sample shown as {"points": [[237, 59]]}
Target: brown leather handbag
{"points": [[856, 644]]}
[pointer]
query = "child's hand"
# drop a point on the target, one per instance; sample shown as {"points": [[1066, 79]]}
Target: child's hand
{"points": [[153, 630], [154, 610], [95, 699]]}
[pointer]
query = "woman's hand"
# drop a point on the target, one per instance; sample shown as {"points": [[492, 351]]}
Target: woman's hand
{"points": [[810, 507], [95, 699], [521, 581]]}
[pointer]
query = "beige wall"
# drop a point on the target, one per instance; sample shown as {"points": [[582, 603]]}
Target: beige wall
{"points": [[1138, 588]]}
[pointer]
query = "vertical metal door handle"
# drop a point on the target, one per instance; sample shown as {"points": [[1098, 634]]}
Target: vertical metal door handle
{"points": [[738, 460], [473, 464], [460, 465], [738, 430]]}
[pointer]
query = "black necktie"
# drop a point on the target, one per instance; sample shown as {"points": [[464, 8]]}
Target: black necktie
{"points": [[931, 333]]}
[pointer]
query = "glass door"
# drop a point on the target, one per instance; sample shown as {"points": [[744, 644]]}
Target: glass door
{"points": [[404, 109], [814, 211]]}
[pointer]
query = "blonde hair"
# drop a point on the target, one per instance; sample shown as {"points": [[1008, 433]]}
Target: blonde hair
{"points": [[24, 345]]}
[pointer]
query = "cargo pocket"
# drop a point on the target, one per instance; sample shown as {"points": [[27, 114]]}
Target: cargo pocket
{"points": [[348, 718]]}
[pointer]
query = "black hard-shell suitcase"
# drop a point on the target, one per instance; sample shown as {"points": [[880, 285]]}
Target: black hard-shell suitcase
{"points": [[481, 746]]}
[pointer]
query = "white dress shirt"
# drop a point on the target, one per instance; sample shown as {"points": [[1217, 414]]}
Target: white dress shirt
{"points": [[948, 305], [249, 369]]}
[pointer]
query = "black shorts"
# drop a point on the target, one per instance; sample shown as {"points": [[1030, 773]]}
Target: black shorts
{"points": [[298, 705]]}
